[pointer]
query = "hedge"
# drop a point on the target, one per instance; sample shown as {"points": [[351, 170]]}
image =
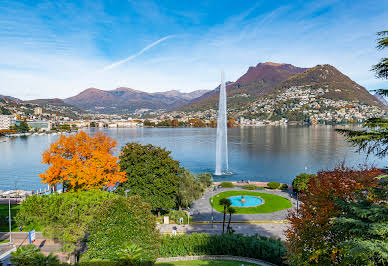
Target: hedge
{"points": [[273, 185], [227, 184], [257, 247], [250, 187]]}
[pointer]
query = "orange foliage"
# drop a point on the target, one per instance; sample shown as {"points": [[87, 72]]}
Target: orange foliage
{"points": [[82, 162], [309, 236]]}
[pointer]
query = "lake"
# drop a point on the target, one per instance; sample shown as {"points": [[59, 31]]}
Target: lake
{"points": [[255, 154]]}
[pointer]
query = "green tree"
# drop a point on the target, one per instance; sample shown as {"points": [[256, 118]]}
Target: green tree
{"points": [[226, 203], [189, 189], [300, 182], [119, 224], [152, 174], [65, 216], [205, 179], [362, 224], [374, 138], [23, 127]]}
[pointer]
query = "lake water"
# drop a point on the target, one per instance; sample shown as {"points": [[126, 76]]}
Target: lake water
{"points": [[255, 154]]}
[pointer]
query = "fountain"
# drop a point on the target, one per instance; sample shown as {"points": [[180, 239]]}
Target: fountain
{"points": [[222, 136]]}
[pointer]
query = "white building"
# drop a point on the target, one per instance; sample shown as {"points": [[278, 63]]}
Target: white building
{"points": [[7, 121], [38, 110]]}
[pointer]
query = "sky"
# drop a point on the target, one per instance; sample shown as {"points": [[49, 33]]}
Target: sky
{"points": [[56, 49]]}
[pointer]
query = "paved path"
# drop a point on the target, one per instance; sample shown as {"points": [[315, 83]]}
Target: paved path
{"points": [[275, 230], [202, 211]]}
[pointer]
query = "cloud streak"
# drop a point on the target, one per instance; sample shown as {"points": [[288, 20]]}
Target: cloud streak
{"points": [[129, 58]]}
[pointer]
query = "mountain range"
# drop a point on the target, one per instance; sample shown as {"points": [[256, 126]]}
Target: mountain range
{"points": [[123, 100], [261, 81]]}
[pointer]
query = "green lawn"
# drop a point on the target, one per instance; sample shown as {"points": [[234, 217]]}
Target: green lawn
{"points": [[272, 203], [4, 227], [206, 262]]}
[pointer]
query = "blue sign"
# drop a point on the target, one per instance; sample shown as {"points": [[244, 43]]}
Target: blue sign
{"points": [[31, 236]]}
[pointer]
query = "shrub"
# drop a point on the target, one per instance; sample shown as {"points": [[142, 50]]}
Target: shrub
{"points": [[63, 216], [122, 228], [176, 215], [301, 181], [226, 184], [30, 255], [284, 187], [250, 187], [273, 185], [205, 179], [256, 246]]}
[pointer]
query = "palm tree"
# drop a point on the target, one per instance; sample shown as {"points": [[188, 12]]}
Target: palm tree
{"points": [[231, 210], [131, 253], [226, 203]]}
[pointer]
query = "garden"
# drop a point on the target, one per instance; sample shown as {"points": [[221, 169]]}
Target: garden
{"points": [[271, 202]]}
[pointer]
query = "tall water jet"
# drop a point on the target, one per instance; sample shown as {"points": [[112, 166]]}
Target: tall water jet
{"points": [[222, 165]]}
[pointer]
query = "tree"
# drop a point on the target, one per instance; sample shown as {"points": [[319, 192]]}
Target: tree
{"points": [[226, 203], [311, 237], [23, 127], [151, 173], [205, 179], [119, 224], [374, 138], [64, 216], [381, 68], [301, 181], [81, 162], [231, 211], [189, 189], [363, 224]]}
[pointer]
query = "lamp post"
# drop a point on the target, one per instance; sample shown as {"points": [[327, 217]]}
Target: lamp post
{"points": [[9, 221], [126, 193], [188, 215]]}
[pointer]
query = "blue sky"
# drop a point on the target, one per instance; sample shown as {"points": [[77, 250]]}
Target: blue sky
{"points": [[59, 48]]}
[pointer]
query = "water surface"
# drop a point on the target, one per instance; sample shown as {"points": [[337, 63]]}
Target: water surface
{"points": [[255, 154]]}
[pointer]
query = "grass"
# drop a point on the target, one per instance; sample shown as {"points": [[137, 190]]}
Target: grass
{"points": [[205, 262], [4, 227], [272, 203]]}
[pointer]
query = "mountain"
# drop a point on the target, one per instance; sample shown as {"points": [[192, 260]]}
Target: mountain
{"points": [[258, 80], [381, 98], [268, 79], [123, 100], [10, 98], [337, 85]]}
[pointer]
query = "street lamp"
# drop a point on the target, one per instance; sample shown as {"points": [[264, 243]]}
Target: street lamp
{"points": [[9, 221], [126, 193]]}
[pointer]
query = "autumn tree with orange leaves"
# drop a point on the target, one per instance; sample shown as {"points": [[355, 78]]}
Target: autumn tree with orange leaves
{"points": [[81, 162], [312, 237]]}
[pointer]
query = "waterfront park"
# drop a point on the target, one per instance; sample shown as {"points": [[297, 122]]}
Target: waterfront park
{"points": [[144, 208]]}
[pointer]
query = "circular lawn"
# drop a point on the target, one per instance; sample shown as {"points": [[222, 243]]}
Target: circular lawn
{"points": [[272, 203]]}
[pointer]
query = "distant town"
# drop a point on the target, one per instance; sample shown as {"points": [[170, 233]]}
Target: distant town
{"points": [[296, 105]]}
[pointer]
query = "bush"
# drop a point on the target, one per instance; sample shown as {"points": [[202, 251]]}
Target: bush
{"points": [[205, 179], [256, 246], [176, 215], [301, 181], [226, 184], [250, 187], [30, 255], [63, 216], [123, 228], [273, 185], [284, 187]]}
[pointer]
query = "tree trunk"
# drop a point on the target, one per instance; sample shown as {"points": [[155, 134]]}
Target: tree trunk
{"points": [[230, 219], [223, 224]]}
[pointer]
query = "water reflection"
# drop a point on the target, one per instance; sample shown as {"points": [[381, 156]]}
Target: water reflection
{"points": [[263, 154]]}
